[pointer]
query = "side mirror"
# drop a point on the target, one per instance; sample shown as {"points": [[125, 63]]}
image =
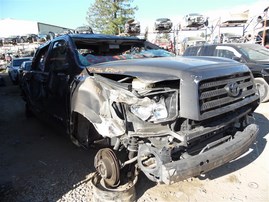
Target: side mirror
{"points": [[238, 59]]}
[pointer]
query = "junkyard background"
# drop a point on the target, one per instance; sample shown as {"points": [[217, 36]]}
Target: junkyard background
{"points": [[39, 164]]}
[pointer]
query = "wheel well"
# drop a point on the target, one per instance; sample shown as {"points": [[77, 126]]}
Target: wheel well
{"points": [[264, 87], [83, 130]]}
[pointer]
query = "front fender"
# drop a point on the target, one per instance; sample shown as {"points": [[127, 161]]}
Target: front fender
{"points": [[92, 99]]}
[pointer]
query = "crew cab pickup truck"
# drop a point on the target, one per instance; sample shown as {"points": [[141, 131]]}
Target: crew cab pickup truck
{"points": [[169, 117], [255, 56]]}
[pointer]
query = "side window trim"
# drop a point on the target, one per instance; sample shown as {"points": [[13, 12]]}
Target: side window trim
{"points": [[41, 56], [235, 52], [58, 56]]}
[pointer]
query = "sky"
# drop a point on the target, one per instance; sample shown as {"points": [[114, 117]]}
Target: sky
{"points": [[72, 13]]}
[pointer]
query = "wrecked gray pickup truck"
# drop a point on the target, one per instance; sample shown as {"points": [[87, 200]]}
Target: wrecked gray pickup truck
{"points": [[169, 117]]}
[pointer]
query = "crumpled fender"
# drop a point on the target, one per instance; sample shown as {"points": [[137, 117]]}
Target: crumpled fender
{"points": [[92, 100]]}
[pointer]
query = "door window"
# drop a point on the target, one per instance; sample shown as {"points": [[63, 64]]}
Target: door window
{"points": [[58, 59], [40, 59], [226, 51]]}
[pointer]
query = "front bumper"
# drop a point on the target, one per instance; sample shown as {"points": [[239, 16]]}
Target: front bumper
{"points": [[193, 166]]}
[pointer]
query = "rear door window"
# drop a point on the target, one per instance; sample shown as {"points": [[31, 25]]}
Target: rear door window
{"points": [[191, 51], [39, 59], [226, 52], [206, 51]]}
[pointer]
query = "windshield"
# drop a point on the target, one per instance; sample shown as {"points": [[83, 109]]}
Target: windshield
{"points": [[90, 59], [255, 52]]}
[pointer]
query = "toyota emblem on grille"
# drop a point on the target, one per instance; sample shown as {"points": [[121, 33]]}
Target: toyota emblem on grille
{"points": [[232, 89]]}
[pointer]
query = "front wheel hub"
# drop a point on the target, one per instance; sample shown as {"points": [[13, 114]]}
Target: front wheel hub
{"points": [[107, 165]]}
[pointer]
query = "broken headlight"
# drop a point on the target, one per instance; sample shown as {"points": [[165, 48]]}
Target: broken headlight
{"points": [[153, 111]]}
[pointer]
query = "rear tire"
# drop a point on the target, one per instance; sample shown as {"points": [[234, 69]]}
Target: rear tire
{"points": [[263, 89]]}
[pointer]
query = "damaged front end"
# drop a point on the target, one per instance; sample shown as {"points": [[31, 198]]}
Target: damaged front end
{"points": [[147, 119]]}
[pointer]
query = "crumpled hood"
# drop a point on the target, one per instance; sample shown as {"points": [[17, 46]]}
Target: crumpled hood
{"points": [[170, 68], [188, 70]]}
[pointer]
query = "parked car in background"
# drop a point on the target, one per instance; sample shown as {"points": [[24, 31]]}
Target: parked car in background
{"points": [[191, 41], [132, 27], [169, 117], [14, 40], [25, 67], [259, 37], [10, 40], [165, 43], [256, 36], [31, 38], [84, 30], [163, 24], [255, 56], [13, 68], [231, 38], [193, 20]]}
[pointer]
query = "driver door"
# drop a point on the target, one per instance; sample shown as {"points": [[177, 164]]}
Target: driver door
{"points": [[58, 67]]}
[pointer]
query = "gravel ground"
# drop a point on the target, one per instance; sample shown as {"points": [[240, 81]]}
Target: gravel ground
{"points": [[39, 164]]}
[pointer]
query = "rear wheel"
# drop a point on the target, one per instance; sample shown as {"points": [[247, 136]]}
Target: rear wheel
{"points": [[263, 89]]}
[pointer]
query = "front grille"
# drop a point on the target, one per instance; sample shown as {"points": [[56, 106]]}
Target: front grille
{"points": [[223, 94]]}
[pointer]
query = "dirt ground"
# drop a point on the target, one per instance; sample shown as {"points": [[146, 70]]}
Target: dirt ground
{"points": [[39, 164]]}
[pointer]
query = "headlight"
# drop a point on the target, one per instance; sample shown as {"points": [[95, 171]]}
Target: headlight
{"points": [[150, 112]]}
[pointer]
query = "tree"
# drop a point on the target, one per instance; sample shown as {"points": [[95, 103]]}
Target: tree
{"points": [[109, 16]]}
